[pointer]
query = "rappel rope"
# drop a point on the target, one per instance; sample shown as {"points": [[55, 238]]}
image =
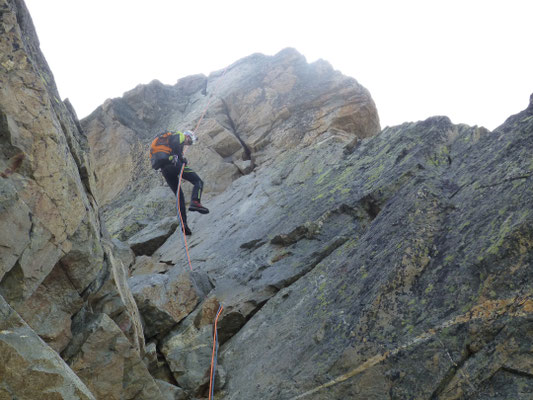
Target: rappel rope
{"points": [[215, 335], [214, 356]]}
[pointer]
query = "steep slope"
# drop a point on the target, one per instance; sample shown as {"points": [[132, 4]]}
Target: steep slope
{"points": [[265, 117], [345, 265], [350, 262], [427, 293], [255, 110], [61, 290], [343, 273]]}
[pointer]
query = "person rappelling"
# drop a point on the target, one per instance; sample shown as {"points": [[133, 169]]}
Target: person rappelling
{"points": [[166, 155]]}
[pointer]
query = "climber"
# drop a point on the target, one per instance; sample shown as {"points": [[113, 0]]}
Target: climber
{"points": [[166, 154]]}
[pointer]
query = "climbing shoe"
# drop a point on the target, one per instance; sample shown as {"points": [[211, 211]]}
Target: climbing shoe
{"points": [[188, 232], [197, 206]]}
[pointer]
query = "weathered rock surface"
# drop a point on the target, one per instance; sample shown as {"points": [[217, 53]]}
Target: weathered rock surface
{"points": [[259, 108], [188, 350], [148, 240], [347, 267], [51, 307], [171, 392], [343, 261], [107, 362], [436, 274], [29, 368], [351, 263], [165, 299], [57, 261], [145, 265], [124, 253], [46, 194]]}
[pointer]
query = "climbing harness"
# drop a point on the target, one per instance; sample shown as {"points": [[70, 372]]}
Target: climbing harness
{"points": [[215, 335]]}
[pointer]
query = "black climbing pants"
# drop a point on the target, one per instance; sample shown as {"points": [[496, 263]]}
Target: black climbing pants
{"points": [[171, 173]]}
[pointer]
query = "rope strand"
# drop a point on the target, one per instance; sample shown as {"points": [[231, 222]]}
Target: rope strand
{"points": [[215, 336], [214, 356]]}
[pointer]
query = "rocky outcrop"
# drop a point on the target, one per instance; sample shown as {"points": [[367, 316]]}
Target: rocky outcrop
{"points": [[149, 239], [57, 262], [255, 110], [349, 262], [187, 350], [429, 225], [365, 261], [107, 362], [29, 367], [165, 299]]}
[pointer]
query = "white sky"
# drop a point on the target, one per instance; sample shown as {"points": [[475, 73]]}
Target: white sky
{"points": [[470, 60]]}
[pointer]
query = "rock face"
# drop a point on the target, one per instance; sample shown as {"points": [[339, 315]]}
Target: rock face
{"points": [[350, 262], [255, 110], [165, 299], [345, 263], [364, 262], [57, 262], [29, 367], [423, 250]]}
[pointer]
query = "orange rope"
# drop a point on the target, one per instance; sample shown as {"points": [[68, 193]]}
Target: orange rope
{"points": [[211, 377], [213, 360], [183, 167]]}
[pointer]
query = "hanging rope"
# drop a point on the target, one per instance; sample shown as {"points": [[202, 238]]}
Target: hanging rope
{"points": [[215, 336], [178, 206], [214, 356]]}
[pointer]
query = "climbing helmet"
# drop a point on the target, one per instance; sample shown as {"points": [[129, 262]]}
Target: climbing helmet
{"points": [[192, 135]]}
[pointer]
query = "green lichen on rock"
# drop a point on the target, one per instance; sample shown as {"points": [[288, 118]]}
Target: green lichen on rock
{"points": [[441, 261]]}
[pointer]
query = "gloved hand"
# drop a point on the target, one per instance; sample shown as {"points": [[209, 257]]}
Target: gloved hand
{"points": [[184, 160]]}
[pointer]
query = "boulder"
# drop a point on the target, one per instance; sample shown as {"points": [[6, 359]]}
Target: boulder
{"points": [[245, 166], [153, 236], [165, 299], [188, 350], [106, 361], [29, 367]]}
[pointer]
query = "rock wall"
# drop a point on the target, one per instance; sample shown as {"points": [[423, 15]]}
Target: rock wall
{"points": [[344, 262], [409, 278], [57, 263], [350, 262], [398, 268], [255, 110]]}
